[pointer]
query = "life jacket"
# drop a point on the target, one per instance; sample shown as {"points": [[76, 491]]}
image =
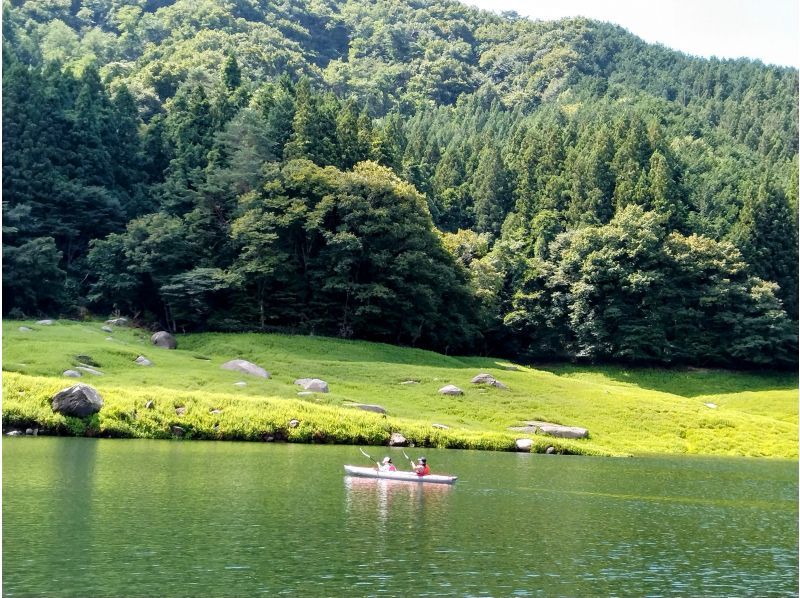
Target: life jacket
{"points": [[424, 471]]}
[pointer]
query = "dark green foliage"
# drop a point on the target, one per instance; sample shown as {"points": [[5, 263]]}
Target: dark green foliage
{"points": [[32, 279], [766, 234], [352, 254], [208, 165]]}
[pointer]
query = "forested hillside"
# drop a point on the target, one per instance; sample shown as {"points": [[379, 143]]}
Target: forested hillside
{"points": [[416, 172]]}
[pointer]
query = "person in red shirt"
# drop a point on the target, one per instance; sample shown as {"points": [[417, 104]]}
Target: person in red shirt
{"points": [[421, 468]]}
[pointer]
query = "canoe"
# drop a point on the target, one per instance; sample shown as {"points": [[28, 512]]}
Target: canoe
{"points": [[406, 476]]}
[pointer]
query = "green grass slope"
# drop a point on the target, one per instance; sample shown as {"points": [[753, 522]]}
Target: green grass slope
{"points": [[627, 411]]}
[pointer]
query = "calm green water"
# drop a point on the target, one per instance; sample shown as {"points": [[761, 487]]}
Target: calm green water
{"points": [[85, 517]]}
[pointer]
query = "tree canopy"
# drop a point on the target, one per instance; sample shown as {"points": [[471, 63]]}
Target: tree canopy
{"points": [[412, 172]]}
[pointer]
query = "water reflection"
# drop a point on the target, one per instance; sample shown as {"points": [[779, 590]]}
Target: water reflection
{"points": [[374, 496]]}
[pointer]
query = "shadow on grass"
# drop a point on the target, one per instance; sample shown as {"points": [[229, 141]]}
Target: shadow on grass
{"points": [[318, 348], [686, 382]]}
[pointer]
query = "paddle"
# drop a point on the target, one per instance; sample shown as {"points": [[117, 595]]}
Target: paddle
{"points": [[368, 457], [409, 460]]}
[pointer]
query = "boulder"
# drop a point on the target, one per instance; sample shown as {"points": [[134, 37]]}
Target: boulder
{"points": [[180, 410], [409, 382], [524, 444], [293, 423], [550, 450], [142, 360], [245, 367], [557, 430], [164, 340], [397, 439], [710, 405], [489, 380], [509, 368], [107, 329], [25, 329], [71, 374], [312, 384], [367, 407], [149, 405], [440, 426], [450, 390], [564, 431], [79, 400], [178, 431], [215, 411], [240, 383], [483, 379], [305, 393], [45, 322], [15, 433], [117, 322], [88, 370]]}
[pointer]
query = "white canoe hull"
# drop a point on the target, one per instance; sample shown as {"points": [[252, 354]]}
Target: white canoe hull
{"points": [[406, 476]]}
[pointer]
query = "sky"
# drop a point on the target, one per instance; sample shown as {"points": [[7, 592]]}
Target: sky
{"points": [[767, 30]]}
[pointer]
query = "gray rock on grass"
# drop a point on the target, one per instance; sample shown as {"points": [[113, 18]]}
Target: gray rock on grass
{"points": [[164, 339], [451, 390], [524, 445], [482, 379], [367, 407], [397, 439], [557, 430], [489, 380], [142, 360], [88, 370], [312, 384], [117, 322], [245, 367], [80, 400], [71, 374]]}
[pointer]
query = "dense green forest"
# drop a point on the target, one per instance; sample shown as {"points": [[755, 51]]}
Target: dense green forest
{"points": [[411, 171]]}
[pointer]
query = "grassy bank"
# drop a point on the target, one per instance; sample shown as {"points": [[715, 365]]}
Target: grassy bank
{"points": [[627, 411]]}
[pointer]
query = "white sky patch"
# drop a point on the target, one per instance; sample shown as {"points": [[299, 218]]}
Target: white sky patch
{"points": [[766, 30]]}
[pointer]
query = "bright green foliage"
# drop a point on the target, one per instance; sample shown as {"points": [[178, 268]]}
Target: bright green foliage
{"points": [[626, 410], [630, 291]]}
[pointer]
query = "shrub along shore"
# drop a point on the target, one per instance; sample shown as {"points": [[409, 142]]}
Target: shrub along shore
{"points": [[186, 394]]}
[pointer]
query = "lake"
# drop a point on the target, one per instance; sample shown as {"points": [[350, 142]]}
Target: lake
{"points": [[89, 517]]}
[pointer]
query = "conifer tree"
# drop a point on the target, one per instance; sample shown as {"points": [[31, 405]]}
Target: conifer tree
{"points": [[766, 234]]}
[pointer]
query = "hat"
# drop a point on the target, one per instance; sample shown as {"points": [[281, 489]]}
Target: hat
{"points": [[387, 460], [423, 460]]}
